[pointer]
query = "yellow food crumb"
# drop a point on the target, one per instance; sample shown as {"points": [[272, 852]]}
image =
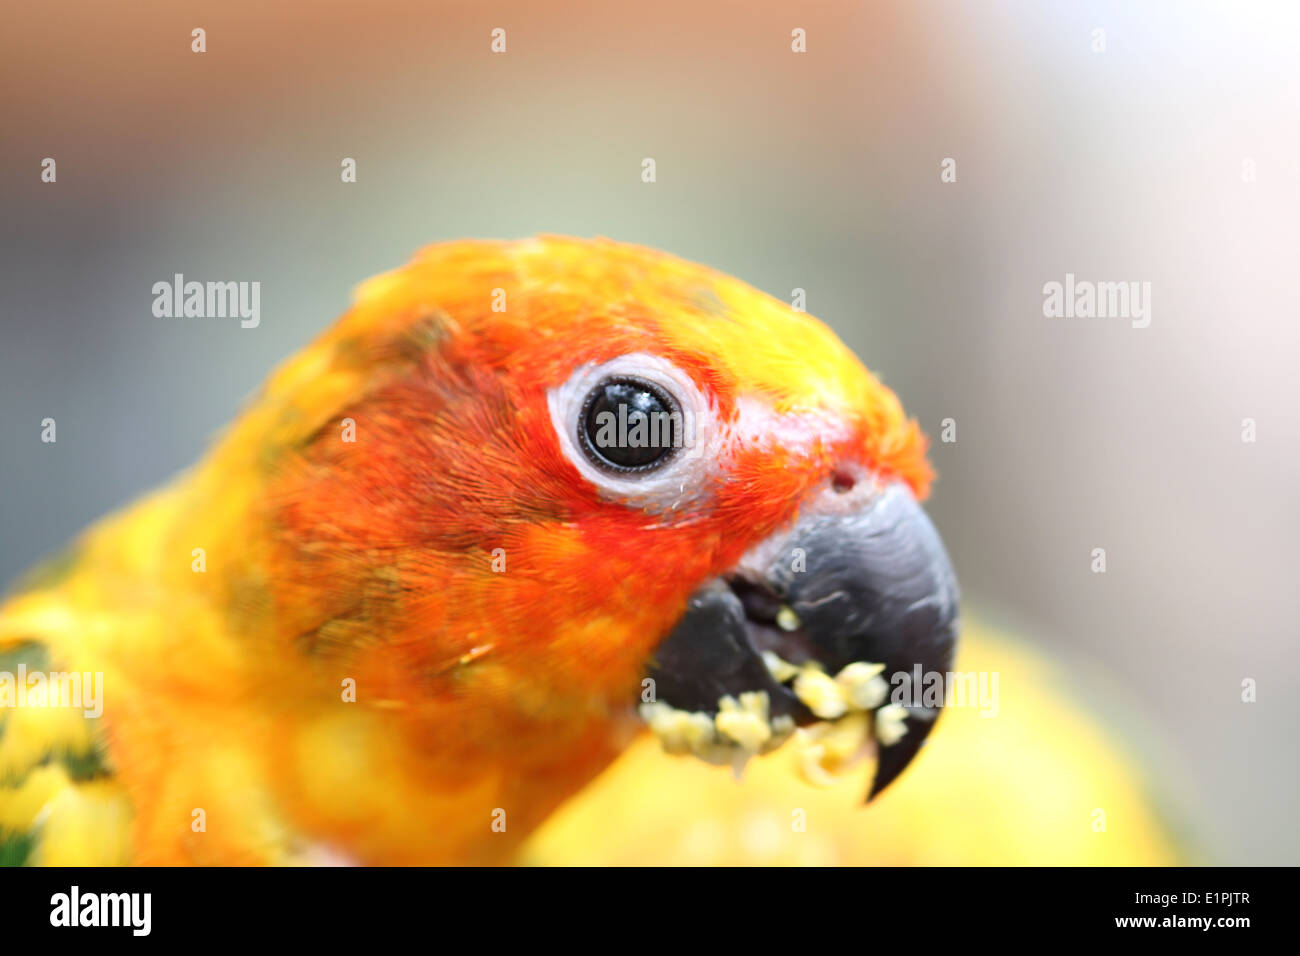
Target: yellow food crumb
{"points": [[743, 725], [890, 725], [863, 687], [820, 693], [829, 749], [745, 722], [781, 670]]}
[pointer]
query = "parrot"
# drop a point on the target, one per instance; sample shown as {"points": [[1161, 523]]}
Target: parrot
{"points": [[524, 500]]}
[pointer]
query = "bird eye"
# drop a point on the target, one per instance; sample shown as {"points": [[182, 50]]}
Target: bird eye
{"points": [[628, 424], [639, 429]]}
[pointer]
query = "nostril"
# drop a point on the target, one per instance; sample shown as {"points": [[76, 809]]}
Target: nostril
{"points": [[843, 481]]}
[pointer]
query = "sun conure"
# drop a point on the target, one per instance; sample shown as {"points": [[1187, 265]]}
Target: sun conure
{"points": [[521, 500]]}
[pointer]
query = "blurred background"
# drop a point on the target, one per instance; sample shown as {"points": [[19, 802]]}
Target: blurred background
{"points": [[1170, 156]]}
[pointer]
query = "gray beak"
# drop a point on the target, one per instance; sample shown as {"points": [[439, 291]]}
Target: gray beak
{"points": [[868, 581]]}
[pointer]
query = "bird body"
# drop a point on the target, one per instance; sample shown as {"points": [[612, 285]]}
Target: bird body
{"points": [[389, 617]]}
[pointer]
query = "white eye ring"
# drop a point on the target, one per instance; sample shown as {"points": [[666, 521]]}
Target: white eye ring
{"points": [[682, 480]]}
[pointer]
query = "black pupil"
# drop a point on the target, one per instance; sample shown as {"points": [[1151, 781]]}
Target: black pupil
{"points": [[630, 424]]}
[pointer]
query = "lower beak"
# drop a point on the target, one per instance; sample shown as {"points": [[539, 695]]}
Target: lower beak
{"points": [[859, 580]]}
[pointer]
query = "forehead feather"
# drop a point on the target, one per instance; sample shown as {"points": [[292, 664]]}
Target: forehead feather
{"points": [[593, 299], [562, 302]]}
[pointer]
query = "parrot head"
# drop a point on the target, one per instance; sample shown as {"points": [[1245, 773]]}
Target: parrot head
{"points": [[590, 482]]}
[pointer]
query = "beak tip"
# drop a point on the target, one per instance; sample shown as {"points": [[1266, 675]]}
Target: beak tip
{"points": [[892, 760]]}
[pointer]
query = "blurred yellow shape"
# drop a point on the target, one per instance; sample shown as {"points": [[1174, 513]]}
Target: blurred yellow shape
{"points": [[1036, 782]]}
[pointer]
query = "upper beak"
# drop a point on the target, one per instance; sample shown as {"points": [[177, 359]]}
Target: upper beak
{"points": [[868, 580]]}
